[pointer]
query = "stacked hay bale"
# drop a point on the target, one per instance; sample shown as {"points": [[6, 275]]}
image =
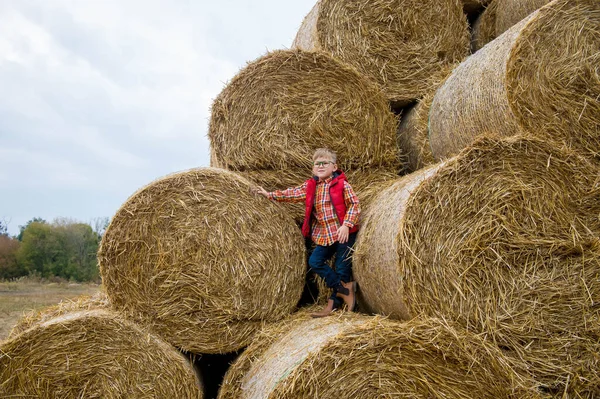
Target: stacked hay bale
{"points": [[524, 81], [270, 118], [93, 353], [353, 356], [498, 17], [413, 131], [86, 302], [510, 12], [399, 44], [274, 112], [484, 27], [503, 239], [201, 261], [413, 135], [381, 286]]}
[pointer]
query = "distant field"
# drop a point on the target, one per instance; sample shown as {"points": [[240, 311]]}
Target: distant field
{"points": [[19, 297]]}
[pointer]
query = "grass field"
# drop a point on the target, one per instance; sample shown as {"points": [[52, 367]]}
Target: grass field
{"points": [[19, 297]]}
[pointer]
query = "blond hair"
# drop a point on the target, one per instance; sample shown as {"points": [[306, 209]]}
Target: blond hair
{"points": [[325, 153]]}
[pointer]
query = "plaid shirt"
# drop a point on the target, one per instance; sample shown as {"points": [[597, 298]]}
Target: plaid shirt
{"points": [[325, 222]]}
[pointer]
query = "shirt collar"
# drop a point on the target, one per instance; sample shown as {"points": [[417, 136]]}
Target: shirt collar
{"points": [[328, 180]]}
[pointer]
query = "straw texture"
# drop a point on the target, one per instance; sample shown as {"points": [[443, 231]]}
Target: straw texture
{"points": [[376, 255], [84, 302], [473, 100], [93, 354], [502, 238], [484, 27], [554, 90], [202, 261], [413, 131], [353, 356], [413, 135], [510, 12], [399, 44], [524, 80], [280, 108]]}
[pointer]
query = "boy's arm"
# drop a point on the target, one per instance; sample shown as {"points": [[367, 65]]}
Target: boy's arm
{"points": [[352, 206], [293, 194]]}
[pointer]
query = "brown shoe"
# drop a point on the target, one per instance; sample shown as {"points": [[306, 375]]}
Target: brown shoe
{"points": [[348, 294], [327, 310]]}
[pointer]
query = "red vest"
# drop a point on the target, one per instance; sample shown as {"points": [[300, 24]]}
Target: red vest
{"points": [[336, 193]]}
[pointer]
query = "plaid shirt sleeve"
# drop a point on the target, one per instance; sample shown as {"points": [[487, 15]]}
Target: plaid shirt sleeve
{"points": [[352, 206], [294, 194]]}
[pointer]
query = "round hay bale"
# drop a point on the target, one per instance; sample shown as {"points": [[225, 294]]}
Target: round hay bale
{"points": [[484, 27], [413, 131], [399, 44], [524, 80], [93, 354], [368, 182], [278, 109], [354, 356], [413, 135], [376, 256], [272, 180], [202, 261], [502, 238], [84, 302], [510, 12], [365, 183]]}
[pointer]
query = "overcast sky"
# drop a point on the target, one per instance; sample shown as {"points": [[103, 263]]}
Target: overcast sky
{"points": [[100, 97]]}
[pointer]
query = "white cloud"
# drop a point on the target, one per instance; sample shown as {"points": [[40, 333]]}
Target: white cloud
{"points": [[100, 97], [90, 139], [147, 79], [34, 168]]}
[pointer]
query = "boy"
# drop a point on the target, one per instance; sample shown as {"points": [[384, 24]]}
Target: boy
{"points": [[331, 221]]}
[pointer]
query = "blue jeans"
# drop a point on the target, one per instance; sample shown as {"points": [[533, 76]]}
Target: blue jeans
{"points": [[342, 265]]}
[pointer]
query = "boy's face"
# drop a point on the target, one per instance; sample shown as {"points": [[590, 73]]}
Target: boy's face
{"points": [[323, 168]]}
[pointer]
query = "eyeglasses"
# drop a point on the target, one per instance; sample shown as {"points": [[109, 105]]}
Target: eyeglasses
{"points": [[323, 163]]}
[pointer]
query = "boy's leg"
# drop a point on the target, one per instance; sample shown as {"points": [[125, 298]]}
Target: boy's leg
{"points": [[310, 294], [343, 267], [343, 259], [318, 262]]}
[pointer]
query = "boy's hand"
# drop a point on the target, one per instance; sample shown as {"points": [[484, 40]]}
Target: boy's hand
{"points": [[261, 191], [342, 234]]}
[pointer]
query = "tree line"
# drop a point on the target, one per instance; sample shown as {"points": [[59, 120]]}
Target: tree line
{"points": [[63, 248]]}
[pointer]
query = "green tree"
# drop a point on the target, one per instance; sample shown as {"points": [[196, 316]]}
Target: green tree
{"points": [[81, 245], [64, 248], [9, 266], [22, 228], [41, 251]]}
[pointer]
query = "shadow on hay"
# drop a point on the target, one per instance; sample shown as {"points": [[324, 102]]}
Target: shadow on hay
{"points": [[212, 368]]}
